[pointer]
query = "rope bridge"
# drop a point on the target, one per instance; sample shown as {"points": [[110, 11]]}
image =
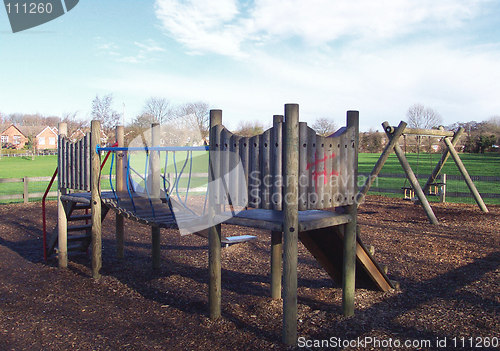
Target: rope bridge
{"points": [[153, 195]]}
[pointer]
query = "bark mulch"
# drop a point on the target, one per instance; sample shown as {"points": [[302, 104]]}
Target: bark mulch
{"points": [[449, 278]]}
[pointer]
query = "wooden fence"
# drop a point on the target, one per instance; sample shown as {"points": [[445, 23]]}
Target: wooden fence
{"points": [[26, 195], [28, 154]]}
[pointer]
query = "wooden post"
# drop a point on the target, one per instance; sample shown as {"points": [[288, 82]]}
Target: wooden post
{"points": [[214, 232], [442, 195], [442, 161], [465, 174], [25, 190], [413, 180], [290, 222], [382, 159], [349, 264], [276, 264], [120, 188], [276, 237], [155, 192], [62, 220], [95, 202]]}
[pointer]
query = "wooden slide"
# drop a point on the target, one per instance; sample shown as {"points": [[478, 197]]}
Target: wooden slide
{"points": [[326, 245]]}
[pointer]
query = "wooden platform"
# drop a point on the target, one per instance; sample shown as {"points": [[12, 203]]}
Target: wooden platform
{"points": [[273, 220], [153, 213], [319, 230]]}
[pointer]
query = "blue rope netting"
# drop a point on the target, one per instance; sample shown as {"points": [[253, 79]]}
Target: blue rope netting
{"points": [[168, 187]]}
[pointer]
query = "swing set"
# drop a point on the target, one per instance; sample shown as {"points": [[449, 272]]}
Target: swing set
{"points": [[436, 188], [414, 191]]}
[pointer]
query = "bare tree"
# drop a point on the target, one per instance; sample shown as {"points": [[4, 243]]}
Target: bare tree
{"points": [[73, 123], [103, 111], [142, 121], [494, 121], [197, 113], [158, 109], [423, 117], [324, 126], [248, 129]]}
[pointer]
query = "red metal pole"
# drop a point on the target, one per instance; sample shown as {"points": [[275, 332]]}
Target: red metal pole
{"points": [[44, 216]]}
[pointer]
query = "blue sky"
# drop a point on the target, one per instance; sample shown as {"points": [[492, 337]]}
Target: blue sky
{"points": [[249, 58]]}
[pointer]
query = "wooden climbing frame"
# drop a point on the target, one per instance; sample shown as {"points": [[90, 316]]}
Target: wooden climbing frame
{"points": [[292, 182]]}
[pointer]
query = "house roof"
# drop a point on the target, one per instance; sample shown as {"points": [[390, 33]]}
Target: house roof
{"points": [[49, 128], [14, 127], [31, 130]]}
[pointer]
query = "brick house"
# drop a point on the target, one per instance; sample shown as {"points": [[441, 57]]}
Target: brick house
{"points": [[12, 135], [46, 139]]}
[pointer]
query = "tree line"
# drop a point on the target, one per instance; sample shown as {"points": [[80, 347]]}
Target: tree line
{"points": [[194, 116]]}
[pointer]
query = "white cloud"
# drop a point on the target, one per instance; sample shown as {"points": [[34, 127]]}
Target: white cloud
{"points": [[149, 46], [141, 52], [228, 28], [460, 85], [361, 54], [203, 26]]}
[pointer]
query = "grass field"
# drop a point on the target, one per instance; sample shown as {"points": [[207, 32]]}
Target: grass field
{"points": [[477, 164]]}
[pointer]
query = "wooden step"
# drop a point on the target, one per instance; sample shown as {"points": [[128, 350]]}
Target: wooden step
{"points": [[81, 207], [77, 228], [230, 240], [76, 246], [73, 218], [74, 238]]}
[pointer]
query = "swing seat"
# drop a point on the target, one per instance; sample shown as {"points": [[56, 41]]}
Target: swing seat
{"points": [[408, 193], [433, 188]]}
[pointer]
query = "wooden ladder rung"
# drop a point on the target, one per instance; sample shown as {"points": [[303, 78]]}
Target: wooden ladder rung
{"points": [[73, 238], [73, 218], [76, 228], [81, 207]]}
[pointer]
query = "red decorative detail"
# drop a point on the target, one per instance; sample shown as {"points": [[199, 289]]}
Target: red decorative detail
{"points": [[323, 173]]}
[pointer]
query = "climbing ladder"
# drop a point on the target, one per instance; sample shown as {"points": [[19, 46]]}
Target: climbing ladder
{"points": [[78, 215]]}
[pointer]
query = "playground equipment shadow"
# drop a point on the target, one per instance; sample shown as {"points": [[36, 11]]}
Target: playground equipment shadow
{"points": [[448, 282]]}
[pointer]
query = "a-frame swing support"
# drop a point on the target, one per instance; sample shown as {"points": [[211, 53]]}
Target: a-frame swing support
{"points": [[450, 140]]}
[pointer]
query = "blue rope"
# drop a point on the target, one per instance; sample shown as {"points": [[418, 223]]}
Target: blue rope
{"points": [[190, 155], [146, 185], [110, 180], [154, 148], [128, 182], [167, 195], [206, 192], [167, 185], [177, 180]]}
